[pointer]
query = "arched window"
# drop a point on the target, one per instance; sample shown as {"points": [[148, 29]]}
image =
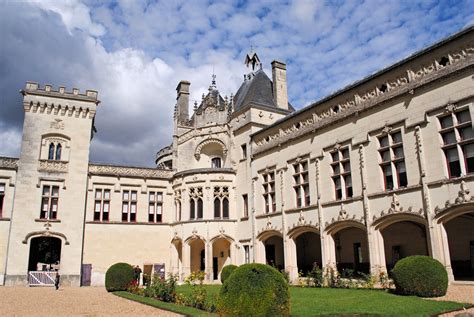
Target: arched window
{"points": [[225, 208], [199, 209], [51, 151], [216, 162], [217, 208], [192, 211], [58, 152]]}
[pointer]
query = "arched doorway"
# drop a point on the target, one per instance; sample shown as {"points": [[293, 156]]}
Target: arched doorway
{"points": [[198, 255], [274, 254], [44, 252], [352, 251], [308, 251], [402, 239], [220, 256], [460, 232]]}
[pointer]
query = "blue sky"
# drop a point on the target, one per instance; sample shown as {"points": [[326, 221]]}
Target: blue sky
{"points": [[135, 52]]}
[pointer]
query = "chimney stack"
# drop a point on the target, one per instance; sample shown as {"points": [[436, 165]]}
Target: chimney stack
{"points": [[182, 101], [280, 90]]}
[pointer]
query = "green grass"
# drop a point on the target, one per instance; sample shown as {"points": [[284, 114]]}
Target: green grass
{"points": [[328, 301], [184, 310]]}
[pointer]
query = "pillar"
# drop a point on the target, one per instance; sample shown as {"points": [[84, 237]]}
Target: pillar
{"points": [[291, 259]]}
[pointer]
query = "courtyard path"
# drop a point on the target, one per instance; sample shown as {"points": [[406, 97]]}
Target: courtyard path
{"points": [[70, 301], [459, 293]]}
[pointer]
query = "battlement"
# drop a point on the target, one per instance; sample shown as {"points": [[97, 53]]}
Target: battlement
{"points": [[33, 88]]}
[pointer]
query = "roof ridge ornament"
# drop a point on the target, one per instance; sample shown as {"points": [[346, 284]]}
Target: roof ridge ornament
{"points": [[251, 59]]}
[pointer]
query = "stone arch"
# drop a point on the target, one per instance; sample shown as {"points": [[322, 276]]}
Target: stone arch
{"points": [[294, 232], [262, 236], [197, 151], [194, 237], [447, 214], [387, 220], [222, 236], [45, 233], [344, 224]]}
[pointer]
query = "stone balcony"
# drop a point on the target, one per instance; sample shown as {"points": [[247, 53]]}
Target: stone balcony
{"points": [[51, 166]]}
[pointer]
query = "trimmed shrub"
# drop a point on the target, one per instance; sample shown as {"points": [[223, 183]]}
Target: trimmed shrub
{"points": [[421, 276], [227, 271], [118, 277], [254, 290]]}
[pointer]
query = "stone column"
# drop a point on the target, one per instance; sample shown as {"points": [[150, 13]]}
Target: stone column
{"points": [[376, 251], [291, 260], [186, 261], [208, 252]]}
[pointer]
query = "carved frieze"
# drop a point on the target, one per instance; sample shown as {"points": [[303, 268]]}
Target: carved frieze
{"points": [[8, 163], [395, 208], [51, 166], [464, 196], [110, 170]]}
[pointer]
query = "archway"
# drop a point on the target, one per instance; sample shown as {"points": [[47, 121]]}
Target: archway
{"points": [[274, 254], [308, 251], [44, 252], [220, 256], [198, 255], [460, 232], [402, 239], [352, 251]]}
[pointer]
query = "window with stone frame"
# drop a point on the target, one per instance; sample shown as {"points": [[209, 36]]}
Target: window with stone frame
{"points": [[177, 204], [458, 142], [301, 183], [195, 203], [101, 204], [2, 198], [129, 205], [155, 207], [341, 173], [216, 162], [269, 191], [247, 254], [392, 160], [49, 202], [245, 202], [221, 202]]}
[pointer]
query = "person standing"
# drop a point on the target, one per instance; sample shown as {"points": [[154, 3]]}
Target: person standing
{"points": [[56, 281]]}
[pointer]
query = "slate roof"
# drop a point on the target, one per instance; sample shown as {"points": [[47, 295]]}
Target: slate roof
{"points": [[258, 91]]}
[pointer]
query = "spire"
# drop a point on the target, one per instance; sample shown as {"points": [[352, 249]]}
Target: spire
{"points": [[252, 60]]}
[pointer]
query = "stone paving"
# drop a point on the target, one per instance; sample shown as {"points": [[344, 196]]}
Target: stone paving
{"points": [[70, 301], [459, 293]]}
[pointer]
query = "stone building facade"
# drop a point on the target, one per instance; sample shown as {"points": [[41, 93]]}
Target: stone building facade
{"points": [[377, 171]]}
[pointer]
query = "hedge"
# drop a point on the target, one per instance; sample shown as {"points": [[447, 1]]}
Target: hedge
{"points": [[254, 290], [421, 276], [227, 271], [118, 277]]}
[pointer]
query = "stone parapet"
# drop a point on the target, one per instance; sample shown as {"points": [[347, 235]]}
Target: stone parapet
{"points": [[53, 166], [8, 163], [123, 171]]}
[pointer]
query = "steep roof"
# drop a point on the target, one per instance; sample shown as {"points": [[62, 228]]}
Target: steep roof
{"points": [[257, 90]]}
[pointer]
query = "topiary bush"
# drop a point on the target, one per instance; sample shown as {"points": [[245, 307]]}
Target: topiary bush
{"points": [[227, 271], [421, 276], [254, 290], [118, 277]]}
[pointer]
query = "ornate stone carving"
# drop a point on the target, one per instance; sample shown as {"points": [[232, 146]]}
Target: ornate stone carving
{"points": [[386, 129], [51, 166], [396, 208], [343, 216], [464, 196], [129, 171], [450, 107], [8, 163], [57, 124]]}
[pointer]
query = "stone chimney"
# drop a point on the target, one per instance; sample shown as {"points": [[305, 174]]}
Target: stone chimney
{"points": [[280, 90], [182, 101]]}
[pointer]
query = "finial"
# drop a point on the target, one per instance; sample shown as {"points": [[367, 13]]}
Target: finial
{"points": [[252, 59], [195, 105], [213, 84]]}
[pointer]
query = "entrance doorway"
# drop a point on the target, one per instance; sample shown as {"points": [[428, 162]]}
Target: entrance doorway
{"points": [[45, 254]]}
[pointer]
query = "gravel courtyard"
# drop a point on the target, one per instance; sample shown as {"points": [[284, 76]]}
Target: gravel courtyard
{"points": [[70, 301]]}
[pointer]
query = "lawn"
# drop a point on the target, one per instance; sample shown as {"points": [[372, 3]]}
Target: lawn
{"points": [[331, 301]]}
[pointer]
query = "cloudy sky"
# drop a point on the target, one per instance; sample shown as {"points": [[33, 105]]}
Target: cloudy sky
{"points": [[135, 52]]}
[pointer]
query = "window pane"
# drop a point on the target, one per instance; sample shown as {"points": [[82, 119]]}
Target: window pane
{"points": [[125, 195], [107, 194], [469, 157], [192, 205], [463, 116], [397, 137], [151, 217], [159, 196], [106, 206], [305, 177], [297, 168], [225, 208], [446, 122], [98, 193], [105, 216], [54, 204], [217, 208], [304, 166], [51, 151], [44, 204], [96, 216], [452, 155], [199, 208], [45, 190], [134, 195], [159, 209], [398, 152], [454, 167], [58, 152], [401, 173], [345, 153], [133, 208], [55, 191], [151, 197], [347, 167], [125, 207], [336, 169], [449, 138], [2, 188], [387, 171], [385, 156], [383, 141], [97, 206], [335, 156], [466, 133], [151, 208]]}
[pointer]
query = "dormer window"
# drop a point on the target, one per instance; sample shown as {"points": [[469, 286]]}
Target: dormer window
{"points": [[216, 162]]}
